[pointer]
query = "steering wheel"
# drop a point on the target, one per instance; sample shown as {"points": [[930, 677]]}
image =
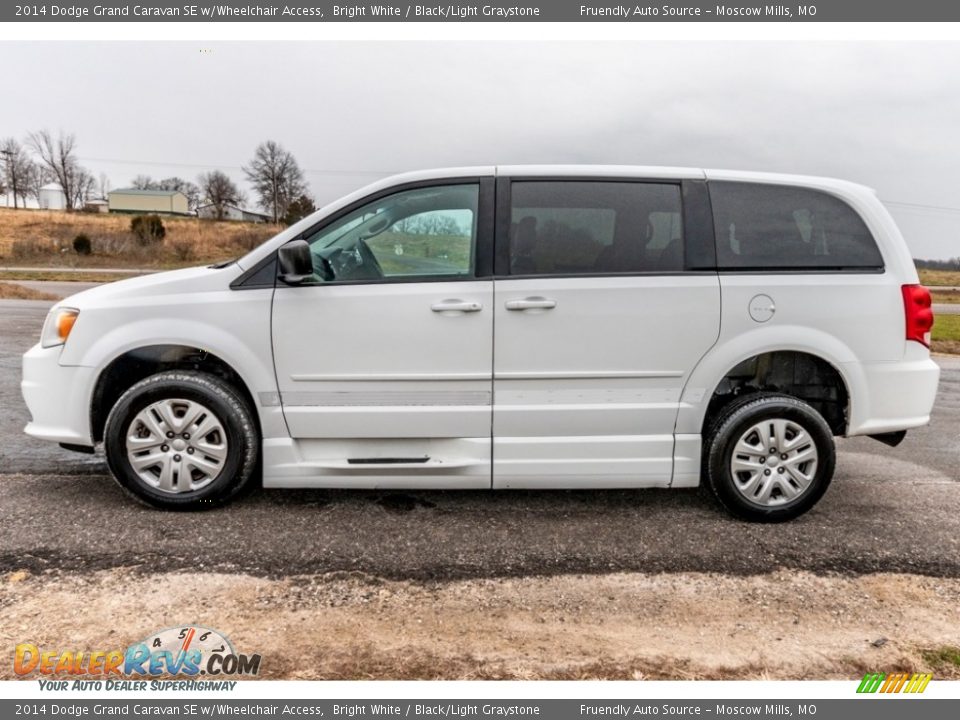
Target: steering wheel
{"points": [[369, 259], [323, 267]]}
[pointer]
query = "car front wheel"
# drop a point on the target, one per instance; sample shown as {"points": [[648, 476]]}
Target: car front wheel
{"points": [[769, 457], [182, 440]]}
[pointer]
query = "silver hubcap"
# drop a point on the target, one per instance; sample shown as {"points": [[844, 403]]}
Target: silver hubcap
{"points": [[774, 462], [176, 446]]}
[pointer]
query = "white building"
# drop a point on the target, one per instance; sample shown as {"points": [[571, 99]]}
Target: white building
{"points": [[232, 212], [52, 197], [97, 205]]}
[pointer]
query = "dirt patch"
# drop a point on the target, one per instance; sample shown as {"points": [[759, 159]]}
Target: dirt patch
{"points": [[12, 291], [947, 347], [620, 626]]}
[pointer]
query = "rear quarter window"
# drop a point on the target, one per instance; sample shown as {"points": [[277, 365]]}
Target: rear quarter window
{"points": [[778, 227]]}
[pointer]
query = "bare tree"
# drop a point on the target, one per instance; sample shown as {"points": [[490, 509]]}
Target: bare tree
{"points": [[143, 182], [36, 179], [429, 224], [185, 186], [57, 156], [84, 188], [219, 190], [16, 169], [103, 186], [276, 178]]}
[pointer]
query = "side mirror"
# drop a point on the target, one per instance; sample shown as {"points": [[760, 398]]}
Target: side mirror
{"points": [[296, 264]]}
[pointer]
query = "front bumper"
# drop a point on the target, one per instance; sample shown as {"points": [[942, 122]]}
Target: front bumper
{"points": [[57, 396]]}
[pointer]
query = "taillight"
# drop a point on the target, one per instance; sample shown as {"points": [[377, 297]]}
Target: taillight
{"points": [[918, 312]]}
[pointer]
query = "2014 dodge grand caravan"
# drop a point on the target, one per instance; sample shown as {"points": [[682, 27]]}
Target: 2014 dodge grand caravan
{"points": [[510, 327]]}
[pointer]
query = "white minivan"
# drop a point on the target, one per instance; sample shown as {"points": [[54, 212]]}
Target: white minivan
{"points": [[509, 327]]}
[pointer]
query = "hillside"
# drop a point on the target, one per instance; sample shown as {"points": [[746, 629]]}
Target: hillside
{"points": [[44, 238]]}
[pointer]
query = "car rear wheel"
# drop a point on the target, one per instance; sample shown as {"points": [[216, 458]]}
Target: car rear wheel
{"points": [[769, 457], [182, 440]]}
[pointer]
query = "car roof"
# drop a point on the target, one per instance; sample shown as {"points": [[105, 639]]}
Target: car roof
{"points": [[621, 171]]}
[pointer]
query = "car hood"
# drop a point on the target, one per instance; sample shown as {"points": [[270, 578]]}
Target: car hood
{"points": [[173, 282]]}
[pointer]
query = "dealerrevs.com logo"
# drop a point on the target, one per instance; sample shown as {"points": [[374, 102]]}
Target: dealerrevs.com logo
{"points": [[189, 650]]}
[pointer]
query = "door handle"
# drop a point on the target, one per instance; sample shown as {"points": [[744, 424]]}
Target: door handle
{"points": [[531, 303], [454, 305]]}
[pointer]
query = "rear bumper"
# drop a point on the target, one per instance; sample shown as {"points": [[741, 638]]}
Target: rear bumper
{"points": [[57, 396], [896, 396]]}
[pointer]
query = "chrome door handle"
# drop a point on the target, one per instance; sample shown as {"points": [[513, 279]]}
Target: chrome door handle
{"points": [[531, 303], [464, 306]]}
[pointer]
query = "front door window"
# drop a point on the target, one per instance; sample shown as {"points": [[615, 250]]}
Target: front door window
{"points": [[426, 233]]}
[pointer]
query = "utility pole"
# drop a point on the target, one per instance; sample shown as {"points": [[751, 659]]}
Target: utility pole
{"points": [[8, 155]]}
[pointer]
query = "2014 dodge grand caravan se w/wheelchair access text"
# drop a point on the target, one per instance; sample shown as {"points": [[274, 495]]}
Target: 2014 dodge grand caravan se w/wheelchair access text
{"points": [[511, 327]]}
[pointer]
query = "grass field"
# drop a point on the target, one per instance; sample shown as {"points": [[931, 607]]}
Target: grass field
{"points": [[946, 327], [44, 238], [946, 334], [940, 277]]}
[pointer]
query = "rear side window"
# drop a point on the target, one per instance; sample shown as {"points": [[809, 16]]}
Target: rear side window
{"points": [[777, 227], [588, 228]]}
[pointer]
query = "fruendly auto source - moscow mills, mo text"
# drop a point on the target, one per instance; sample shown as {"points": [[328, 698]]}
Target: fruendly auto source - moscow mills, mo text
{"points": [[627, 12]]}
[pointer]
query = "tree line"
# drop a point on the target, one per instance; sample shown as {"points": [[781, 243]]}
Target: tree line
{"points": [[43, 158], [950, 264]]}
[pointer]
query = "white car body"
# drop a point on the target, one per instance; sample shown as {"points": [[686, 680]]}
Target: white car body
{"points": [[608, 388]]}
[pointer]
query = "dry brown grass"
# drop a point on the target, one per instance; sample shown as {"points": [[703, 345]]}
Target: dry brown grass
{"points": [[45, 238], [945, 659], [940, 277], [63, 275], [12, 291], [951, 297]]}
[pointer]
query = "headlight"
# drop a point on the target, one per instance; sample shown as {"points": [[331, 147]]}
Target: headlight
{"points": [[57, 327]]}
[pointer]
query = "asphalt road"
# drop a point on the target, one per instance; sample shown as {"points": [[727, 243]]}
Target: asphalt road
{"points": [[889, 509], [61, 288]]}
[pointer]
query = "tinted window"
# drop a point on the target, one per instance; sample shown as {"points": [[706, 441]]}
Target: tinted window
{"points": [[416, 233], [594, 227], [779, 227]]}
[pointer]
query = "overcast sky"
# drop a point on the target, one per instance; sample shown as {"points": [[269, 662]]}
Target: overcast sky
{"points": [[884, 114]]}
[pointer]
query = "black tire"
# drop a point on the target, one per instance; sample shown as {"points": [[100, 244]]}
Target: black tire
{"points": [[730, 425], [230, 408]]}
